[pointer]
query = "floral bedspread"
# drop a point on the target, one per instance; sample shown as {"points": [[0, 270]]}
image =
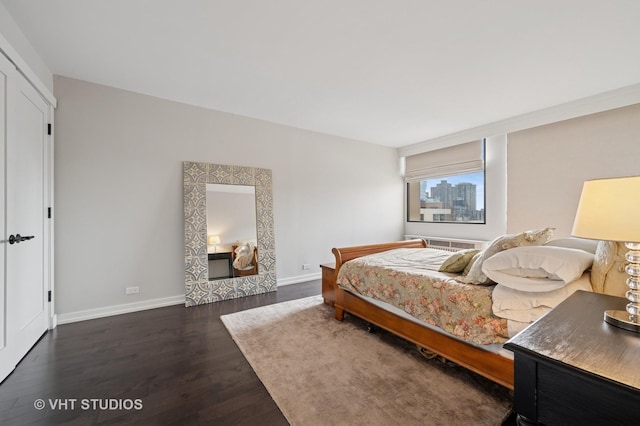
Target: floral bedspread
{"points": [[409, 279]]}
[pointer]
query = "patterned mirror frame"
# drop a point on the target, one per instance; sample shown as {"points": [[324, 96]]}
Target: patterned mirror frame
{"points": [[198, 289]]}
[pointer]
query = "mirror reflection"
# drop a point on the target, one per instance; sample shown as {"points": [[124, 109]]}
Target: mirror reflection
{"points": [[231, 231]]}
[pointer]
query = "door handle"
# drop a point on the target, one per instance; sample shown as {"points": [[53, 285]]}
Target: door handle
{"points": [[15, 239]]}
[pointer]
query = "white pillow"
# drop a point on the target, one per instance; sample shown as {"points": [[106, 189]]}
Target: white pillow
{"points": [[534, 237], [575, 243], [529, 306], [250, 243], [525, 284], [243, 249], [537, 268], [522, 316]]}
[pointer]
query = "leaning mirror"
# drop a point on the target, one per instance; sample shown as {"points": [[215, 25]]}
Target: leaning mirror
{"points": [[214, 194]]}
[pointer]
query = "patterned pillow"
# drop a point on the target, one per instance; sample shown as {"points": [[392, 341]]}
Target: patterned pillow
{"points": [[458, 261], [536, 237], [471, 262], [607, 273]]}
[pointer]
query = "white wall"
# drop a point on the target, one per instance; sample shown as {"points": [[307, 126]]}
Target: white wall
{"points": [[119, 219], [547, 165], [232, 217], [17, 46]]}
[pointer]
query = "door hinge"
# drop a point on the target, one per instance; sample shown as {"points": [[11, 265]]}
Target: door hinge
{"points": [[49, 296], [49, 128], [49, 213]]}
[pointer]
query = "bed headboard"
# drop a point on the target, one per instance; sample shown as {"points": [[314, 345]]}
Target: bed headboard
{"points": [[345, 254]]}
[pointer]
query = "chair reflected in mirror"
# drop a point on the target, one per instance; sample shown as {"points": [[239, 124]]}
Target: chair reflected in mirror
{"points": [[244, 259]]}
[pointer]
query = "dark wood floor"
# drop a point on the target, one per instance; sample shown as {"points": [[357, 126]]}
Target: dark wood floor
{"points": [[181, 363]]}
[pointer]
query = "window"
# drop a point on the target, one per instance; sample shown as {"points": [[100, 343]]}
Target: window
{"points": [[447, 185]]}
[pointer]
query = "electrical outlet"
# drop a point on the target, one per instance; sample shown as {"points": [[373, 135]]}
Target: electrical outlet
{"points": [[132, 290], [306, 266]]}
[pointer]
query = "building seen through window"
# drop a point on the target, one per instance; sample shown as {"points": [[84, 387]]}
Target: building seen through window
{"points": [[447, 199]]}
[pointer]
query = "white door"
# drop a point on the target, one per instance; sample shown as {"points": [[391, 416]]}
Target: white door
{"points": [[25, 311]]}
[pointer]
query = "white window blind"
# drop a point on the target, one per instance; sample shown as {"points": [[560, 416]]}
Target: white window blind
{"points": [[454, 160]]}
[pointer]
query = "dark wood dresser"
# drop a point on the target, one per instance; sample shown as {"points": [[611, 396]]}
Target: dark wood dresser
{"points": [[573, 368]]}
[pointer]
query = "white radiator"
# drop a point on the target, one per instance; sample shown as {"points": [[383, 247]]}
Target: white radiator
{"points": [[449, 244]]}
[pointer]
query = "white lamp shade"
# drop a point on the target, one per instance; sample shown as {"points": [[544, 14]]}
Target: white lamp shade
{"points": [[609, 209], [213, 240]]}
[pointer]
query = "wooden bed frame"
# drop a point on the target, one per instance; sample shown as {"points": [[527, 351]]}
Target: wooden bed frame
{"points": [[488, 364]]}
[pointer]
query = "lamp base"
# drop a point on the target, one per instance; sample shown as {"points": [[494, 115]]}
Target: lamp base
{"points": [[621, 319]]}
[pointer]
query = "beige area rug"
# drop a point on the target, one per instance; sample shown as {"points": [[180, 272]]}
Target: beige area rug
{"points": [[320, 371]]}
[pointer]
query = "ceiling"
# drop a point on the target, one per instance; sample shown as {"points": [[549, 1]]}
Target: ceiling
{"points": [[390, 72]]}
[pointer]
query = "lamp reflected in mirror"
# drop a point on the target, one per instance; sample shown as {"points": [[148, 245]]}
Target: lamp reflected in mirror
{"points": [[214, 240]]}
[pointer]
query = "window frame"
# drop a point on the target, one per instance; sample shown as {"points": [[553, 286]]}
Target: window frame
{"points": [[484, 183]]}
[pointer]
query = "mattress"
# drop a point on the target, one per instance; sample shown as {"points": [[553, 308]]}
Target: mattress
{"points": [[408, 280], [514, 326]]}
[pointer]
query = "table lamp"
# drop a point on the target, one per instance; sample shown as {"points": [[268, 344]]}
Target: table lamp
{"points": [[609, 209], [213, 240]]}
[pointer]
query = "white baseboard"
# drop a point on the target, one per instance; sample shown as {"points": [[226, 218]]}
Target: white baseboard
{"points": [[299, 279], [108, 311]]}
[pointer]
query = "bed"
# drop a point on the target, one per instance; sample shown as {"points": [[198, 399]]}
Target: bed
{"points": [[475, 343]]}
